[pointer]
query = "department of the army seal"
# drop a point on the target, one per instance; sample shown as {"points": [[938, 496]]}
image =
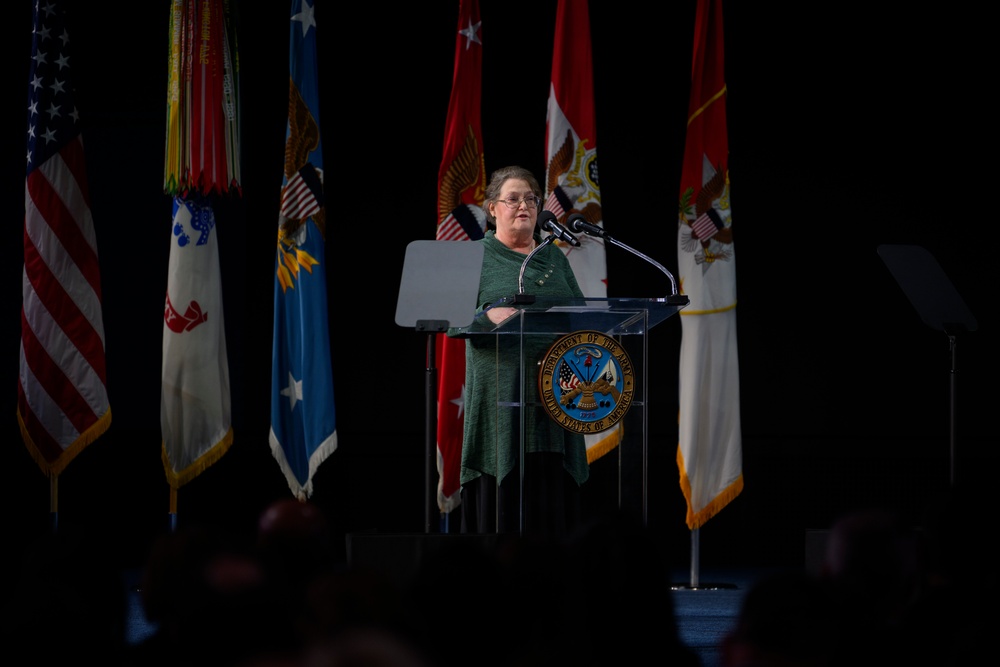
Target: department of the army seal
{"points": [[586, 382]]}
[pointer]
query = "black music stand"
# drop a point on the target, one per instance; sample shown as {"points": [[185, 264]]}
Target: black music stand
{"points": [[939, 305], [438, 289]]}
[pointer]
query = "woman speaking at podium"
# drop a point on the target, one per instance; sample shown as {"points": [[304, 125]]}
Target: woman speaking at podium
{"points": [[556, 459]]}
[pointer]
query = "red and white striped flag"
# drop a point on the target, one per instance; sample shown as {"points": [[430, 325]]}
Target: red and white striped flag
{"points": [[571, 182], [567, 378], [709, 455], [62, 398], [461, 187]]}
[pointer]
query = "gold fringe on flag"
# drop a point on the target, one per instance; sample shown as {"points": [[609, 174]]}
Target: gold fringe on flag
{"points": [[56, 467], [202, 463]]}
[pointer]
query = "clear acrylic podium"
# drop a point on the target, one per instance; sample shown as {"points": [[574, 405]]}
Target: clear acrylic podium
{"points": [[544, 320]]}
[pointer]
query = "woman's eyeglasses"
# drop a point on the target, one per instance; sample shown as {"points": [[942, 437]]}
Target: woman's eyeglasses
{"points": [[531, 201]]}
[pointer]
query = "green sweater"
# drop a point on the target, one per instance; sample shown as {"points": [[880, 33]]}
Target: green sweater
{"points": [[492, 430]]}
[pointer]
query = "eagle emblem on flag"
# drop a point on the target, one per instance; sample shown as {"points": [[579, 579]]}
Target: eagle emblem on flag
{"points": [[707, 230]]}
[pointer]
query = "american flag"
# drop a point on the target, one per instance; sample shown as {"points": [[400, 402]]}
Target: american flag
{"points": [[558, 202], [567, 378], [303, 196], [707, 225], [62, 398]]}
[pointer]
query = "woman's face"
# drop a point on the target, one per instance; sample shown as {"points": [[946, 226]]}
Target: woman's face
{"points": [[515, 223]]}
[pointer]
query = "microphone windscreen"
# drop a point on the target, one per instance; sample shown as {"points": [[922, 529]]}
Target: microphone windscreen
{"points": [[573, 222], [546, 217]]}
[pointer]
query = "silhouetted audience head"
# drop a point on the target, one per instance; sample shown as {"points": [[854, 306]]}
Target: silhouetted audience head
{"points": [[788, 618], [873, 558], [599, 596], [211, 602], [365, 647], [873, 563], [956, 616], [295, 542]]}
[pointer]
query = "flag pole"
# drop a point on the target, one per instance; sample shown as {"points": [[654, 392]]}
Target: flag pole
{"points": [[709, 454], [694, 583], [915, 270], [430, 429], [173, 509], [695, 547], [54, 501]]}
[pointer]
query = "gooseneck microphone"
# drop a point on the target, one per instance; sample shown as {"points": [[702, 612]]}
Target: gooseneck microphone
{"points": [[549, 223], [579, 224]]}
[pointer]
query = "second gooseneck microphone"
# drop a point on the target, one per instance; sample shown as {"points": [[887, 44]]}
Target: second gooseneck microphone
{"points": [[548, 222], [579, 224]]}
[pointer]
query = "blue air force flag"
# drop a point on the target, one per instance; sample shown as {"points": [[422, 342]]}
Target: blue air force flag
{"points": [[303, 421]]}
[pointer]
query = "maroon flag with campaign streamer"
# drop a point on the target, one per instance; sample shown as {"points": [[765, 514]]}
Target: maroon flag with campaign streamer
{"points": [[203, 110], [202, 127], [62, 398], [461, 187]]}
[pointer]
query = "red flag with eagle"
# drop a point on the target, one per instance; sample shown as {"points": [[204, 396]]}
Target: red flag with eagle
{"points": [[709, 455], [201, 163], [461, 187], [62, 398], [571, 183]]}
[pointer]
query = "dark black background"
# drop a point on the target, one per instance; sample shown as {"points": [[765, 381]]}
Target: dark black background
{"points": [[849, 126]]}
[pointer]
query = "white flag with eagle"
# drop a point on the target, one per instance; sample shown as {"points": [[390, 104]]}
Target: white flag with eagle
{"points": [[709, 454], [571, 179]]}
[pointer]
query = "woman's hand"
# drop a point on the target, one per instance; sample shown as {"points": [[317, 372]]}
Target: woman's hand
{"points": [[500, 313]]}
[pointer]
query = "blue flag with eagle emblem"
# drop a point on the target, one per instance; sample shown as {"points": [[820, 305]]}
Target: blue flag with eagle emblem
{"points": [[303, 421]]}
